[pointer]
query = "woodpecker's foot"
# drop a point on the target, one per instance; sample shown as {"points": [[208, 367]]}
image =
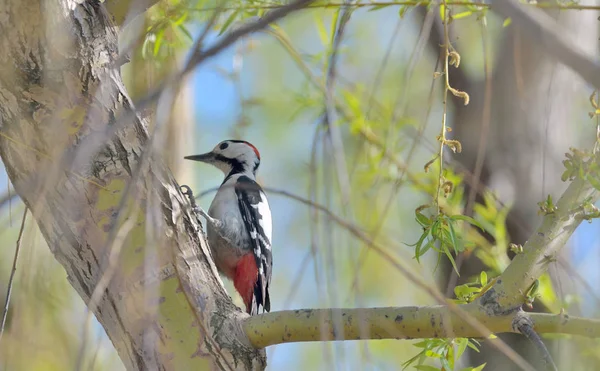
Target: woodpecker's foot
{"points": [[187, 191], [210, 220]]}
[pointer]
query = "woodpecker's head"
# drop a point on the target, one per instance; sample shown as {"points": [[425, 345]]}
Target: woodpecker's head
{"points": [[231, 156]]}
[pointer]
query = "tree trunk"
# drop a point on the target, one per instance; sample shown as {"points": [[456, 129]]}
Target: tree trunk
{"points": [[164, 306]]}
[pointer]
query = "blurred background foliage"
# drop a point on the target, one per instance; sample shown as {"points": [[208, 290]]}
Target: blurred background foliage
{"points": [[270, 89]]}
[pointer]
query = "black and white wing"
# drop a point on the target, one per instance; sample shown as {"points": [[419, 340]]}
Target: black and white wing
{"points": [[256, 215]]}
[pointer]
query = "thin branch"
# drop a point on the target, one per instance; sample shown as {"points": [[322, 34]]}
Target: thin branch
{"points": [[437, 39], [12, 273], [335, 135], [380, 4], [414, 58], [244, 30]]}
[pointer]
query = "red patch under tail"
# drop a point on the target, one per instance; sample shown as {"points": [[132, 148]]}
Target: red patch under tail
{"points": [[246, 274]]}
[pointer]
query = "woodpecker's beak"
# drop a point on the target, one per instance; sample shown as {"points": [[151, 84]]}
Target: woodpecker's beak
{"points": [[205, 157]]}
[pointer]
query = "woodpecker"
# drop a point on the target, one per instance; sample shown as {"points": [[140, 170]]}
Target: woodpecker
{"points": [[239, 223]]}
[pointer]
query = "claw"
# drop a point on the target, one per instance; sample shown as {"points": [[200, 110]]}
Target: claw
{"points": [[187, 191]]}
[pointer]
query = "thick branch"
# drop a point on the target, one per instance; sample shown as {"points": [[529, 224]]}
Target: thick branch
{"points": [[541, 249], [398, 323]]}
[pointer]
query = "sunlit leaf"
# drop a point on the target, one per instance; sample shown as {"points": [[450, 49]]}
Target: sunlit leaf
{"points": [[468, 219], [323, 36], [483, 279], [185, 31], [380, 6], [229, 21], [461, 346], [464, 14], [426, 368]]}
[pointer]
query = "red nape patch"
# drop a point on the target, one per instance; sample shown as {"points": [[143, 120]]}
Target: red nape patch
{"points": [[246, 274], [254, 149]]}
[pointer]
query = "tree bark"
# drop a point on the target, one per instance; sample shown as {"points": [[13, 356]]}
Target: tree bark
{"points": [[164, 306]]}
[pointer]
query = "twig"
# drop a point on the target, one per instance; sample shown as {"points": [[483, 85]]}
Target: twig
{"points": [[330, 112], [373, 4], [415, 56], [12, 273], [244, 30]]}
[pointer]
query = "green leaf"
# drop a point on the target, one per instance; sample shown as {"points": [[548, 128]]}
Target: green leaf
{"points": [[185, 31], [464, 14], [468, 219], [229, 21], [181, 19], [462, 346], [423, 220], [455, 245], [334, 24], [403, 10], [465, 291], [483, 279], [419, 244], [422, 344], [442, 12], [480, 367], [429, 245], [449, 255], [321, 30], [446, 365], [380, 6], [473, 346], [435, 228], [506, 22], [426, 368], [158, 42], [432, 354]]}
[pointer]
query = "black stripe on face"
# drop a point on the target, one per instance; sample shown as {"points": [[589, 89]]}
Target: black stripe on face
{"points": [[236, 165]]}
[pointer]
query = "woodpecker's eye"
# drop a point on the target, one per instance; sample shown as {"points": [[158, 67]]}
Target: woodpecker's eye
{"points": [[224, 145]]}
